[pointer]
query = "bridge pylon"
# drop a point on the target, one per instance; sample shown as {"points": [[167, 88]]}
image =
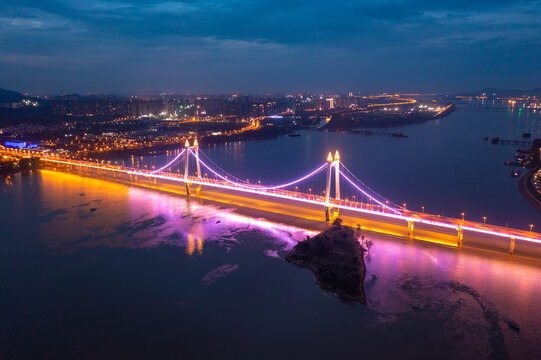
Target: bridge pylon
{"points": [[187, 166], [195, 149], [331, 213]]}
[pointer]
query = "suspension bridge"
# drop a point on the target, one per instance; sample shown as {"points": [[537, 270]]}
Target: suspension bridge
{"points": [[324, 193]]}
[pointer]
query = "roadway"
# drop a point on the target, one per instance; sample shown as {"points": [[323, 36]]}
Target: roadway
{"points": [[307, 210]]}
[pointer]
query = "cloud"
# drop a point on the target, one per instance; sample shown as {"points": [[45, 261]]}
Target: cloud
{"points": [[354, 41], [170, 8], [24, 59], [28, 19]]}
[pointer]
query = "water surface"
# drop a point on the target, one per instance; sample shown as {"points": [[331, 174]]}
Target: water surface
{"points": [[153, 275], [96, 270]]}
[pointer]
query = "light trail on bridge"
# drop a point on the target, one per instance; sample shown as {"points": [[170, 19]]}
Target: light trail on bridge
{"points": [[275, 192], [407, 216]]}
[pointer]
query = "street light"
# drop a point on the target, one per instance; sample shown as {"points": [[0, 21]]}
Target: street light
{"points": [[484, 219], [531, 227], [423, 208], [462, 216]]}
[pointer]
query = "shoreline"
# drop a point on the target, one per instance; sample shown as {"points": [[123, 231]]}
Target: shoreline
{"points": [[525, 191], [382, 121], [204, 141]]}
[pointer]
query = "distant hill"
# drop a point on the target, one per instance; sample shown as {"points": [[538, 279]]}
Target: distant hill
{"points": [[492, 92], [8, 96]]}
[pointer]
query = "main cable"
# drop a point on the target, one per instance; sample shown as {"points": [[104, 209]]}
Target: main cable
{"points": [[170, 163], [258, 187]]}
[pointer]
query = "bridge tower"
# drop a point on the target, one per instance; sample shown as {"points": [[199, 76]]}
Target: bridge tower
{"points": [[332, 163], [195, 149], [187, 166]]}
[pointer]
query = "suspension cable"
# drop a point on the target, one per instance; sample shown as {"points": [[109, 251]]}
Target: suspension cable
{"points": [[219, 168], [366, 194], [170, 163], [369, 189], [259, 187]]}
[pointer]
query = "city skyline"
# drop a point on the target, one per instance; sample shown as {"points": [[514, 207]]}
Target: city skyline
{"points": [[136, 47]]}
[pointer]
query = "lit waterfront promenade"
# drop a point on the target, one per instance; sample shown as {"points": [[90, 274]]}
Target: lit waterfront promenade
{"points": [[281, 203]]}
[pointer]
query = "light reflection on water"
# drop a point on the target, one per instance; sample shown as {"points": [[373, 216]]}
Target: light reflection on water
{"points": [[7, 182], [143, 219], [475, 296]]}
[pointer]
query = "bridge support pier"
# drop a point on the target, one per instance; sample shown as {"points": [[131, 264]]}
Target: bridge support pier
{"points": [[330, 213], [327, 215], [512, 246], [460, 237], [410, 228]]}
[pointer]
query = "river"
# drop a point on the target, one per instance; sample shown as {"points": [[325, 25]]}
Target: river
{"points": [[93, 269]]}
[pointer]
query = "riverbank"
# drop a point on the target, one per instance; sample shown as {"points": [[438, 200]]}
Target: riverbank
{"points": [[528, 191], [9, 165], [350, 121], [263, 133]]}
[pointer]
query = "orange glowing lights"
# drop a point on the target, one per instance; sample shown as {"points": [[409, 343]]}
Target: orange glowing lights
{"points": [[329, 158]]}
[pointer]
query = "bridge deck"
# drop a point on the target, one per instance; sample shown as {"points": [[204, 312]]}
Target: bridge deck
{"points": [[308, 210]]}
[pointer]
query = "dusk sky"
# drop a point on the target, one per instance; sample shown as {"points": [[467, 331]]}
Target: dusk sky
{"points": [[215, 46]]}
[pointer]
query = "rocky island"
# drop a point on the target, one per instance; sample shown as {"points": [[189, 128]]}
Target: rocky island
{"points": [[336, 258]]}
